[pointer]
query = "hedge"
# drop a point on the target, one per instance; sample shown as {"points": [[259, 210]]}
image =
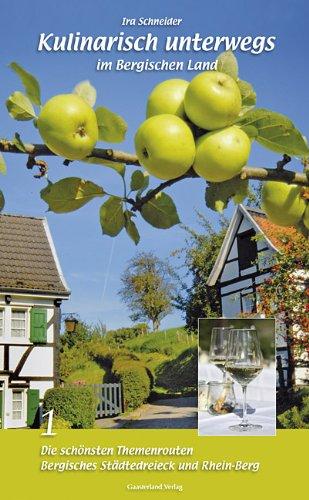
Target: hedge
{"points": [[135, 382], [76, 405]]}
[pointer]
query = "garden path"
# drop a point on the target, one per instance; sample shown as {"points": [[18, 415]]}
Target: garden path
{"points": [[176, 413]]}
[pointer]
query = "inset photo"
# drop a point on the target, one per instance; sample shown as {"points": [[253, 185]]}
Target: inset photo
{"points": [[237, 377]]}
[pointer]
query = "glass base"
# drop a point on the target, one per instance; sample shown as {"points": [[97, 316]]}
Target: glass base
{"points": [[245, 427]]}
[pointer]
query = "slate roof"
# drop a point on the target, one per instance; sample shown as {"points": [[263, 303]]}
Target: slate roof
{"points": [[28, 259]]}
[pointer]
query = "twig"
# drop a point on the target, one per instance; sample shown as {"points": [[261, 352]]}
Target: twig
{"points": [[281, 163], [255, 173], [32, 162], [42, 150], [139, 202]]}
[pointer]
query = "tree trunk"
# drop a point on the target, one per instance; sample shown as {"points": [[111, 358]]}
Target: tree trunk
{"points": [[155, 324]]}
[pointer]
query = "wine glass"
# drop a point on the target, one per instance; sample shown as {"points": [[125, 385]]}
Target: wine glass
{"points": [[218, 347], [244, 362]]}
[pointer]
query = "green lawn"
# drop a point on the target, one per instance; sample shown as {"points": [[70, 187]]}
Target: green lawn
{"points": [[170, 342]]}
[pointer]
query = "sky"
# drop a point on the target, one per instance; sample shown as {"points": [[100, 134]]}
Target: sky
{"points": [[93, 263]]}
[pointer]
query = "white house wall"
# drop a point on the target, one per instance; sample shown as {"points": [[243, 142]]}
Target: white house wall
{"points": [[236, 286], [244, 226], [15, 354], [42, 386], [39, 363]]}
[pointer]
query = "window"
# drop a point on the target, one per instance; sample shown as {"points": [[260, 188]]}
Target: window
{"points": [[231, 305], [247, 249], [1, 322], [248, 301], [17, 405], [18, 323]]}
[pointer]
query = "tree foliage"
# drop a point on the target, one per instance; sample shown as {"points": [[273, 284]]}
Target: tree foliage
{"points": [[148, 288], [198, 300], [286, 291]]}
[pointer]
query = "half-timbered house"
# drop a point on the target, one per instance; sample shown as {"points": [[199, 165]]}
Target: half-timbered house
{"points": [[243, 263], [32, 288]]}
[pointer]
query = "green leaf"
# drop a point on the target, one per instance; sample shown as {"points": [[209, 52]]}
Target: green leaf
{"points": [[85, 90], [218, 194], [112, 216], [19, 143], [70, 194], [251, 131], [227, 63], [112, 128], [2, 165], [275, 132], [2, 201], [138, 180], [30, 83], [160, 212], [145, 185], [131, 228], [120, 168], [248, 96], [20, 107]]}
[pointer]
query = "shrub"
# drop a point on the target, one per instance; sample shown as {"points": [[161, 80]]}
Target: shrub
{"points": [[81, 335], [74, 404], [296, 417], [72, 359], [135, 382], [118, 337], [179, 374], [58, 423]]}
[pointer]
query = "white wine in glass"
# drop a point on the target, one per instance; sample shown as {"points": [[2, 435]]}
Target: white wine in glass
{"points": [[218, 347], [244, 362]]}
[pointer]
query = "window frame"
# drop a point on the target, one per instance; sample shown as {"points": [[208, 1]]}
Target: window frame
{"points": [[26, 337], [22, 401]]}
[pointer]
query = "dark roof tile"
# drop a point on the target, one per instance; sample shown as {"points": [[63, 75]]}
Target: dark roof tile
{"points": [[27, 260]]}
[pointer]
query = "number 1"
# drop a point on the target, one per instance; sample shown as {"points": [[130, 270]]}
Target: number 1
{"points": [[49, 424]]}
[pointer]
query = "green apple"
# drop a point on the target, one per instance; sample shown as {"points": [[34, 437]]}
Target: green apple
{"points": [[212, 100], [167, 98], [282, 203], [68, 126], [306, 217], [165, 146], [221, 154]]}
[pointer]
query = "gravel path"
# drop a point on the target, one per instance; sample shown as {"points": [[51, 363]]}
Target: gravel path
{"points": [[178, 413]]}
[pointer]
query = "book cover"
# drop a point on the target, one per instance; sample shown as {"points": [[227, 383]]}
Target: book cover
{"points": [[153, 249]]}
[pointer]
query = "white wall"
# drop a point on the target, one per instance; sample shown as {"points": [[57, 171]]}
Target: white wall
{"points": [[27, 303], [42, 386], [39, 363], [15, 354]]}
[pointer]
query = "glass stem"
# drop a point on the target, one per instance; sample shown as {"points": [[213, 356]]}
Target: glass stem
{"points": [[244, 410], [224, 376]]}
